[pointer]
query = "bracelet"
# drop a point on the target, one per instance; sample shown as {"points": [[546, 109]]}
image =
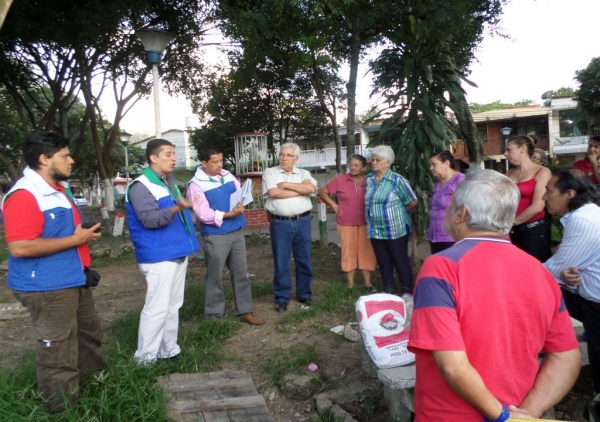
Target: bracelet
{"points": [[504, 416]]}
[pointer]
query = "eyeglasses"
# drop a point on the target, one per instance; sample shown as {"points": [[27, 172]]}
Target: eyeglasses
{"points": [[282, 155]]}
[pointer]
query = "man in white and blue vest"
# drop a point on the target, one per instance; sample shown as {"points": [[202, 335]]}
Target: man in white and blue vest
{"points": [[163, 234], [222, 236], [48, 255]]}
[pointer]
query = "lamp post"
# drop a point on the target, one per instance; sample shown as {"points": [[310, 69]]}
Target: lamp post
{"points": [[125, 137], [505, 132], [155, 41]]}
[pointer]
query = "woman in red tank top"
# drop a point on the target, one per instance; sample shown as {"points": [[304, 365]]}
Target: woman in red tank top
{"points": [[531, 231]]}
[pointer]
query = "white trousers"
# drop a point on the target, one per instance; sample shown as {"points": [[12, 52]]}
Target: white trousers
{"points": [[159, 321]]}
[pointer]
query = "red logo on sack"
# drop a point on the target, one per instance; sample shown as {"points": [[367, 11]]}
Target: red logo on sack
{"points": [[392, 339], [372, 307], [388, 322]]}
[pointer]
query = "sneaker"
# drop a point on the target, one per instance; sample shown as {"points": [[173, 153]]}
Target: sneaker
{"points": [[407, 295], [281, 307], [309, 301]]}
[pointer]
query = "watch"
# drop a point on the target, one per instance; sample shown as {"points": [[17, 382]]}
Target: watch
{"points": [[504, 416]]}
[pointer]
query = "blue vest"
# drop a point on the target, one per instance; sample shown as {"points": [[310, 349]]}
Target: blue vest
{"points": [[61, 270], [175, 240], [218, 190]]}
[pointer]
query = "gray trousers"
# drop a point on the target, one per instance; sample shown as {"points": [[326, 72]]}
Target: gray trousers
{"points": [[220, 250]]}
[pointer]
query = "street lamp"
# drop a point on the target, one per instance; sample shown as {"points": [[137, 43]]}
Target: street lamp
{"points": [[155, 41], [505, 132], [125, 137]]}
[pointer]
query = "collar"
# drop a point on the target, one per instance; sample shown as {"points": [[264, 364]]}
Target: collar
{"points": [[34, 177], [203, 177], [488, 238], [295, 170], [387, 175]]}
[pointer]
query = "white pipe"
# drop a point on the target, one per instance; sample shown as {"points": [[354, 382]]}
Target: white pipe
{"points": [[157, 130]]}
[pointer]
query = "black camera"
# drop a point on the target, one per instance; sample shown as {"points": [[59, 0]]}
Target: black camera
{"points": [[89, 225]]}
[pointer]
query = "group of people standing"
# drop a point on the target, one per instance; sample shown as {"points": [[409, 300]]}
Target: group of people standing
{"points": [[44, 232]]}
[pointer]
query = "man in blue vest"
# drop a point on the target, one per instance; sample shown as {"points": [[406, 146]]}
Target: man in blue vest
{"points": [[48, 254], [222, 236], [163, 234]]}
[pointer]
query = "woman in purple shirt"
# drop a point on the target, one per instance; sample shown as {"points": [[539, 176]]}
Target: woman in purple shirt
{"points": [[442, 166]]}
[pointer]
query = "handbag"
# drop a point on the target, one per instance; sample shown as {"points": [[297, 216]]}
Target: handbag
{"points": [[91, 277]]}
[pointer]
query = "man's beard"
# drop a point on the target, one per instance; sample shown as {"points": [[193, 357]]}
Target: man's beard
{"points": [[58, 176]]}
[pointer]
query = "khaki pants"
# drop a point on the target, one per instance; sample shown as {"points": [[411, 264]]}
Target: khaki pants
{"points": [[68, 340]]}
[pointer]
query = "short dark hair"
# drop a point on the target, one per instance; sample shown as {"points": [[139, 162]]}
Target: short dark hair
{"points": [[358, 157], [205, 153], [577, 180], [444, 156], [155, 146], [47, 143]]}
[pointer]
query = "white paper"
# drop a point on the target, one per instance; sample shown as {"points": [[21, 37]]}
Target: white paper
{"points": [[243, 195]]}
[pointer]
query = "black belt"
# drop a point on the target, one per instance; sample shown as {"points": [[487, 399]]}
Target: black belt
{"points": [[294, 217]]}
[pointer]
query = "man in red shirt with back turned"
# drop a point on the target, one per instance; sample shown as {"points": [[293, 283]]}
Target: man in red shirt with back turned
{"points": [[483, 311], [48, 254]]}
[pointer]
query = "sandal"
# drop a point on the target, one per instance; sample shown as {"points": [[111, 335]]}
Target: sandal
{"points": [[371, 289]]}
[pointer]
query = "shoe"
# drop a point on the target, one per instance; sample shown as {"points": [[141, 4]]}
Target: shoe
{"points": [[406, 295], [309, 301], [371, 289], [249, 318], [281, 307]]}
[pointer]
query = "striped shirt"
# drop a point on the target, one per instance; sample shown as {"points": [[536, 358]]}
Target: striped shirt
{"points": [[385, 206], [580, 248]]}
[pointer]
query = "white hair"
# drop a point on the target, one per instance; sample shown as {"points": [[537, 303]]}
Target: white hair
{"points": [[491, 200], [291, 145], [384, 152]]}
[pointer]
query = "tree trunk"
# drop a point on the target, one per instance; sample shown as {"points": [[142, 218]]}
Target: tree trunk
{"points": [[109, 195], [355, 45], [4, 6], [338, 147]]}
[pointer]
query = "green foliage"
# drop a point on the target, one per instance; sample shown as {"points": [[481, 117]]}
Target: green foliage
{"points": [[420, 76], [124, 391], [497, 105], [281, 362], [588, 95]]}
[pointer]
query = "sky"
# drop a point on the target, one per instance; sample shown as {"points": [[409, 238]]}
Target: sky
{"points": [[549, 41]]}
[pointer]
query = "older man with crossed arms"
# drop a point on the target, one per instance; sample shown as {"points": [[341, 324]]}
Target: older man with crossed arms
{"points": [[476, 337], [287, 191]]}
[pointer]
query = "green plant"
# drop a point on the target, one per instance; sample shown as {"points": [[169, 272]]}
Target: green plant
{"points": [[255, 240], [105, 261], [372, 401], [281, 362]]}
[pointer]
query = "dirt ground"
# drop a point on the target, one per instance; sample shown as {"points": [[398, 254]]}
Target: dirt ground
{"points": [[122, 290]]}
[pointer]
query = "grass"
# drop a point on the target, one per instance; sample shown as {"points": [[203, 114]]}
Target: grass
{"points": [[255, 240], [122, 259], [280, 362], [3, 255], [125, 391]]}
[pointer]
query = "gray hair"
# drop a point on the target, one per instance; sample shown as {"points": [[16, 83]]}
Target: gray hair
{"points": [[384, 152], [291, 145], [491, 201], [543, 156]]}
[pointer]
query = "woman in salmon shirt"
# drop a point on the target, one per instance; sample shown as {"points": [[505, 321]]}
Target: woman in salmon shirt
{"points": [[530, 231], [357, 251]]}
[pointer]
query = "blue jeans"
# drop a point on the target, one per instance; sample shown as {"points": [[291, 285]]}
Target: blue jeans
{"points": [[287, 237]]}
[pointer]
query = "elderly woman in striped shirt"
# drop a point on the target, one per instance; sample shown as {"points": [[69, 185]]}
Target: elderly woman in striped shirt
{"points": [[389, 200]]}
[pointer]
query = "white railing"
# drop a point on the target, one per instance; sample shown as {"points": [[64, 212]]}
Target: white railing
{"points": [[326, 157], [559, 141]]}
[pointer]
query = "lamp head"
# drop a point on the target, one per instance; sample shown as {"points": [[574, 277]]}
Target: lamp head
{"points": [[155, 41], [125, 137]]}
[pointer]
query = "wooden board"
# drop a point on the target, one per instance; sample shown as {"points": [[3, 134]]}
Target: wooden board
{"points": [[228, 396]]}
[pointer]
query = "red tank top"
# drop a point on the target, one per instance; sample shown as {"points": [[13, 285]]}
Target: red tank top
{"points": [[527, 188]]}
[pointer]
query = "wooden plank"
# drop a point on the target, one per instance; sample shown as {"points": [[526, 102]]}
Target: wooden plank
{"points": [[219, 404], [208, 384], [197, 395], [237, 392], [186, 377], [257, 414], [221, 416], [193, 417]]}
